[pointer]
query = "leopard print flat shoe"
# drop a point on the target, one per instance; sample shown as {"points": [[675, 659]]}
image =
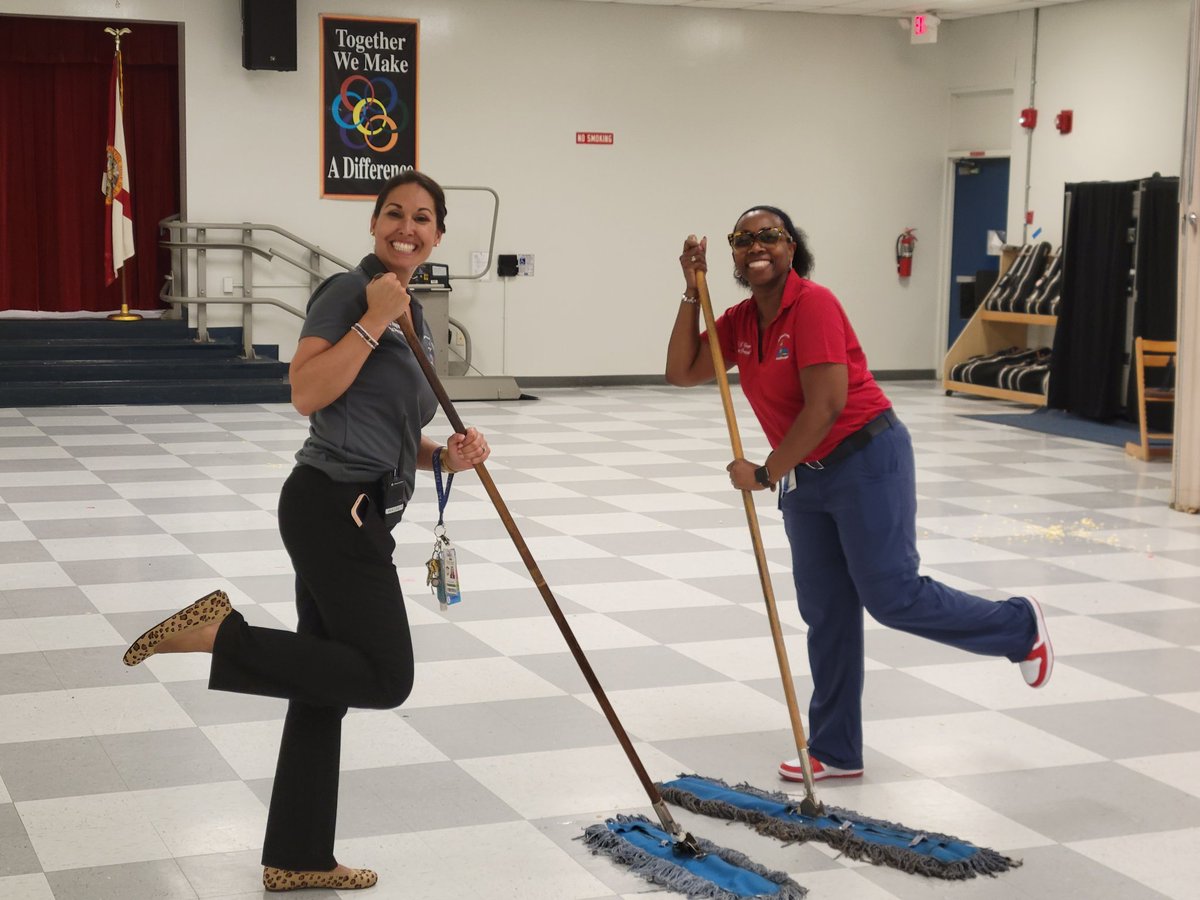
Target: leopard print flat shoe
{"points": [[208, 609], [288, 880]]}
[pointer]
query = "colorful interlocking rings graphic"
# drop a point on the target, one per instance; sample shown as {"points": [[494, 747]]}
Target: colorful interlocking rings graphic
{"points": [[365, 120]]}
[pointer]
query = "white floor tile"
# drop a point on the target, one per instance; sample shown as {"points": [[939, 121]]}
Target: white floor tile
{"points": [[524, 636], [635, 596], [1179, 770], [997, 684], [114, 547], [91, 831], [570, 782], [67, 632], [475, 681], [971, 744], [134, 707], [1165, 861], [26, 887], [41, 716], [663, 714]]}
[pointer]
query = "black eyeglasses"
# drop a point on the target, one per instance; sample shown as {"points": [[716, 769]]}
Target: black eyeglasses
{"points": [[768, 237]]}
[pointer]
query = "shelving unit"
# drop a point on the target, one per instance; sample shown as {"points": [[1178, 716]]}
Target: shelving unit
{"points": [[990, 331]]}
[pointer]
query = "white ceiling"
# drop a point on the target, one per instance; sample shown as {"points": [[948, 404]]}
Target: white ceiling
{"points": [[945, 9]]}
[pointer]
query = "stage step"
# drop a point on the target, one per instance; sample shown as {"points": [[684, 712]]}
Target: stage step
{"points": [[67, 362]]}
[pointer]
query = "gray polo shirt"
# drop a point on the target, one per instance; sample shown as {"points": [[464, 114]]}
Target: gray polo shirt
{"points": [[375, 426]]}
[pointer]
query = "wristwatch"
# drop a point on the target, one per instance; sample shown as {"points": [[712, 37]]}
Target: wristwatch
{"points": [[763, 477]]}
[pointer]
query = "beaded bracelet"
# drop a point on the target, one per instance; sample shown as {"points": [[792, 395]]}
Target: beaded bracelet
{"points": [[688, 299], [365, 335]]}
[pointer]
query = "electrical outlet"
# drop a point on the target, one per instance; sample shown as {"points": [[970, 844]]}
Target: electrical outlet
{"points": [[227, 284], [524, 263]]}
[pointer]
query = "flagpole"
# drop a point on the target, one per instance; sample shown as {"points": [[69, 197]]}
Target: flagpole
{"points": [[124, 315]]}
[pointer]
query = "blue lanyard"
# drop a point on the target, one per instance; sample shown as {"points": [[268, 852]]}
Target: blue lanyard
{"points": [[443, 494]]}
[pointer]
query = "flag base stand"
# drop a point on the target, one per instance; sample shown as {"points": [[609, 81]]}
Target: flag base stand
{"points": [[124, 316]]}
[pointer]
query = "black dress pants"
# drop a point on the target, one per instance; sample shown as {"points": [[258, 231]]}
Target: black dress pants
{"points": [[351, 648]]}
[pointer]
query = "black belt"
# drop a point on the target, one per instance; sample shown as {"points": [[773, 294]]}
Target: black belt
{"points": [[854, 442]]}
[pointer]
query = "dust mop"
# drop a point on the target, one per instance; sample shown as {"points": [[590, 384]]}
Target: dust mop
{"points": [[667, 856], [777, 814]]}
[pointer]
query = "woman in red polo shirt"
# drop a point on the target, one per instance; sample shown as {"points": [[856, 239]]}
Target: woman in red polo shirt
{"points": [[843, 463]]}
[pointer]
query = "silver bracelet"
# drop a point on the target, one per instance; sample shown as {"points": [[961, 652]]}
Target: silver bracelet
{"points": [[365, 335], [686, 299]]}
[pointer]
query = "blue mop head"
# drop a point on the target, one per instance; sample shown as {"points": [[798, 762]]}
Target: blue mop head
{"points": [[875, 840], [720, 874]]}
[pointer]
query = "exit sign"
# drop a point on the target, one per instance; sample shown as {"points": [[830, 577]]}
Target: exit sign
{"points": [[924, 29]]}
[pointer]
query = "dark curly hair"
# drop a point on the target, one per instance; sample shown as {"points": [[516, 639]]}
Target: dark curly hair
{"points": [[802, 259], [412, 176]]}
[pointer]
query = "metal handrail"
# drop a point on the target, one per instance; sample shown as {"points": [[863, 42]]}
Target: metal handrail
{"points": [[176, 290]]}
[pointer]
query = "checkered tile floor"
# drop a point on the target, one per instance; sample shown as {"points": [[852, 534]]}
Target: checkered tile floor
{"points": [[120, 783]]}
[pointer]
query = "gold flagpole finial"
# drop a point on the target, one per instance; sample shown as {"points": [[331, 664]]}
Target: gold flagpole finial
{"points": [[116, 33]]}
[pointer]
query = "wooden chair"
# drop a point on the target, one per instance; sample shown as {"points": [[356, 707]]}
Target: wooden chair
{"points": [[1152, 355]]}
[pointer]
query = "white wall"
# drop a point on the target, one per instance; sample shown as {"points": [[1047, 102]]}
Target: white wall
{"points": [[1119, 65], [837, 119]]}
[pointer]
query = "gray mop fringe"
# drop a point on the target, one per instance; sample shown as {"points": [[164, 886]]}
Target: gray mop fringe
{"points": [[983, 862], [599, 839]]}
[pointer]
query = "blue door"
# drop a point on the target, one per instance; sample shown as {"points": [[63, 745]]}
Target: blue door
{"points": [[980, 206]]}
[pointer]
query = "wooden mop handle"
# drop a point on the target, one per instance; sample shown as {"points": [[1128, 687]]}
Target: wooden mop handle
{"points": [[760, 556], [535, 573]]}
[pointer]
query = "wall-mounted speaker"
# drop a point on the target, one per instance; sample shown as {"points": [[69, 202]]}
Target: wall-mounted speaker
{"points": [[269, 35]]}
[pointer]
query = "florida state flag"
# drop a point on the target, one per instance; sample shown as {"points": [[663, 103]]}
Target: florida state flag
{"points": [[118, 232]]}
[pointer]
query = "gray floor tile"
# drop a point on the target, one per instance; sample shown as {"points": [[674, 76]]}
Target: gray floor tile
{"points": [[1180, 626], [144, 473], [17, 856], [510, 726], [42, 602], [40, 770], [433, 643], [87, 667], [153, 568], [1141, 726], [1013, 571], [232, 541], [22, 552], [512, 603], [159, 878], [116, 526], [1172, 670], [890, 694], [57, 464], [159, 759], [1105, 800], [51, 493], [207, 707], [268, 588], [26, 673], [160, 506]]}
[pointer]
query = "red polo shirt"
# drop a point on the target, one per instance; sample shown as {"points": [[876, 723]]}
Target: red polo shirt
{"points": [[810, 328]]}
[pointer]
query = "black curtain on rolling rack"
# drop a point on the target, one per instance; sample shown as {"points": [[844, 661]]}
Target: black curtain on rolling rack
{"points": [[1089, 340], [1156, 277]]}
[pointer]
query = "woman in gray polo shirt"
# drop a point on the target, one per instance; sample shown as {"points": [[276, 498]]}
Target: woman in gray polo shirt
{"points": [[367, 400]]}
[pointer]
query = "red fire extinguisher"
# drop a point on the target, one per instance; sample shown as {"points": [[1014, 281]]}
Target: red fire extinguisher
{"points": [[904, 252]]}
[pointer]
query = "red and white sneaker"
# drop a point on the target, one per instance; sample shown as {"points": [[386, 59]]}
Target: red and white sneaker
{"points": [[791, 771], [1037, 666]]}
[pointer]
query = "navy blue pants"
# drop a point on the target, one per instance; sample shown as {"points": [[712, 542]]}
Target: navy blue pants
{"points": [[852, 531]]}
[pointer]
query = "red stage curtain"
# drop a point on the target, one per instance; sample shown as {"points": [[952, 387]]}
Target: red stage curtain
{"points": [[53, 131]]}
